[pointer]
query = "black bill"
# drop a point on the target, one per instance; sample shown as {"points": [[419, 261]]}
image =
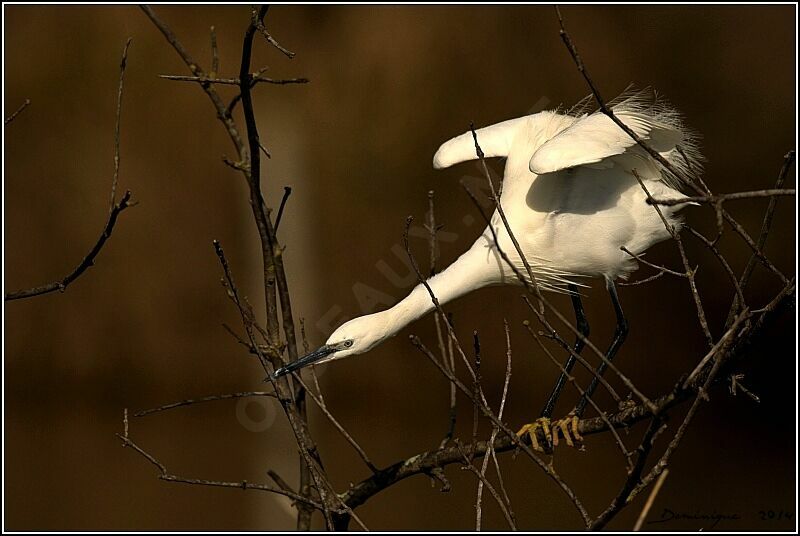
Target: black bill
{"points": [[313, 357]]}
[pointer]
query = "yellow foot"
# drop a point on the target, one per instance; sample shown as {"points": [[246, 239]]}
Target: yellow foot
{"points": [[532, 429], [568, 426]]}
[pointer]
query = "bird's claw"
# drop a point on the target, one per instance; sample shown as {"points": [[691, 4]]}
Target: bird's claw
{"points": [[567, 427], [532, 429]]}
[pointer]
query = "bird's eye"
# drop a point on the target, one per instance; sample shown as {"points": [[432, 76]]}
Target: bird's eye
{"points": [[348, 344]]}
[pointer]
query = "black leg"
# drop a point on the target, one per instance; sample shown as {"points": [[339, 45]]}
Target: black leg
{"points": [[619, 337], [583, 327]]}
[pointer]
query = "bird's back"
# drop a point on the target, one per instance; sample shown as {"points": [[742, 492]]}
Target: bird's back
{"points": [[571, 194]]}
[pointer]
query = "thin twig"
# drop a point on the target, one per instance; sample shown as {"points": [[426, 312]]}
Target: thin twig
{"points": [[210, 398], [271, 40], [506, 503], [244, 485], [656, 427], [450, 331], [689, 272], [663, 270], [653, 277], [287, 191], [123, 63], [281, 483], [766, 225], [164, 474], [254, 79], [478, 390], [718, 198], [723, 342], [499, 207], [113, 212], [353, 443], [650, 500], [214, 54], [446, 350], [85, 264], [701, 395], [712, 246], [17, 112], [483, 480]]}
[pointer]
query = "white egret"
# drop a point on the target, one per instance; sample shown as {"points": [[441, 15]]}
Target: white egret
{"points": [[572, 200]]}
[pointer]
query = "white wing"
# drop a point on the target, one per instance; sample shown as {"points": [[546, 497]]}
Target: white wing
{"points": [[596, 137], [494, 140]]}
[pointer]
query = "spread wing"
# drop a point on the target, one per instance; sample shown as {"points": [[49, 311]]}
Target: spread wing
{"points": [[596, 137], [494, 140]]}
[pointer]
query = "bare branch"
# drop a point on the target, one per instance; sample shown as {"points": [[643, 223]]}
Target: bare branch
{"points": [[505, 503], [650, 500], [718, 198], [501, 212], [122, 65], [689, 272], [210, 398], [653, 277], [287, 191], [286, 52], [17, 112], [85, 264], [485, 482], [115, 209], [424, 462], [254, 79], [446, 350], [214, 54], [164, 475], [724, 342], [663, 270], [766, 225], [656, 427], [322, 406]]}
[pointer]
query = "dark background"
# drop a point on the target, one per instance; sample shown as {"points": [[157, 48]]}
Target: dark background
{"points": [[388, 85]]}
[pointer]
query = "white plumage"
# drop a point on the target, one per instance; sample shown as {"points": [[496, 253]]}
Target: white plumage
{"points": [[571, 199]]}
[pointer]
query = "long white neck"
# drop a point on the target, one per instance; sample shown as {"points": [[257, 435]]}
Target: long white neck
{"points": [[476, 268]]}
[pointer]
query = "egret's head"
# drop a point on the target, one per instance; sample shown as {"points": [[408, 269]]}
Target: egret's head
{"points": [[352, 338]]}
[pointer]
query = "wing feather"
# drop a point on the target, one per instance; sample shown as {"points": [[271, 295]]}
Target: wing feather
{"points": [[494, 140], [596, 137]]}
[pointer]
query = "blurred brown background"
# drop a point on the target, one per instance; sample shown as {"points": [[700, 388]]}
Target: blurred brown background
{"points": [[388, 85]]}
